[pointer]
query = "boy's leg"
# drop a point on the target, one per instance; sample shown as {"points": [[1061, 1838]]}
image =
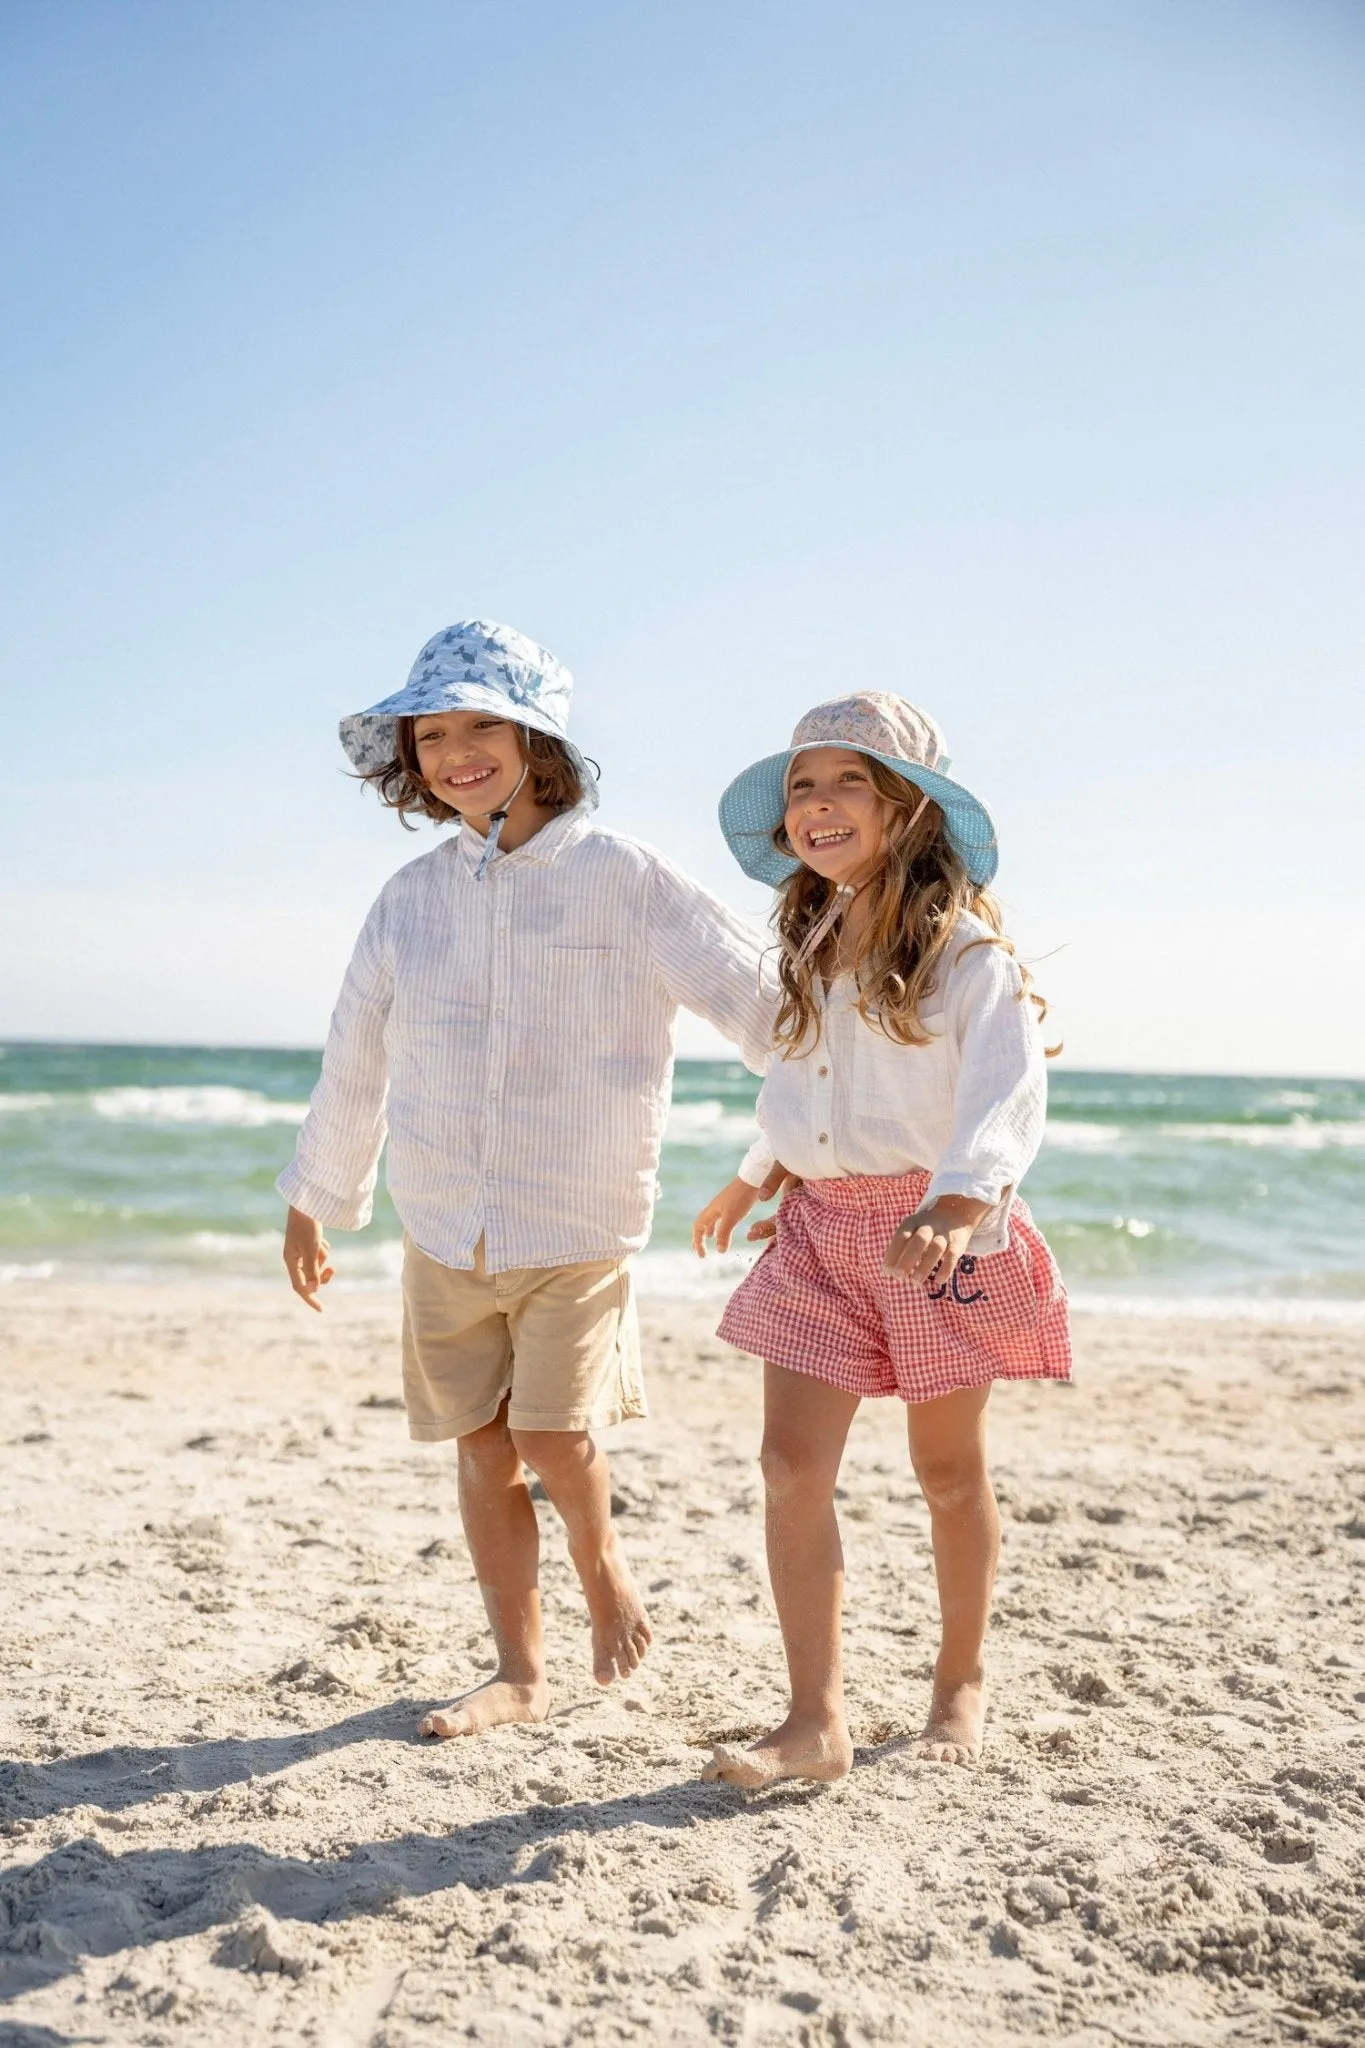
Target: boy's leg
{"points": [[504, 1544], [948, 1452], [577, 1369], [573, 1471], [805, 1425]]}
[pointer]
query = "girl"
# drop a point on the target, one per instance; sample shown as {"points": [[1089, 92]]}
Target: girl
{"points": [[907, 1097]]}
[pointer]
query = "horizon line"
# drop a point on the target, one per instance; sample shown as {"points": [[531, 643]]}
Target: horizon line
{"points": [[697, 1060]]}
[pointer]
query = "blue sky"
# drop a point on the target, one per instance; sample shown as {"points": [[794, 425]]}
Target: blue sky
{"points": [[1007, 356]]}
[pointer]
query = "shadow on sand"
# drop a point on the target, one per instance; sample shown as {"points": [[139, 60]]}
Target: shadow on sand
{"points": [[118, 1778], [86, 1899]]}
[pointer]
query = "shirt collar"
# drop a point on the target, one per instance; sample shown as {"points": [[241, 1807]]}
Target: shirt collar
{"points": [[540, 851]]}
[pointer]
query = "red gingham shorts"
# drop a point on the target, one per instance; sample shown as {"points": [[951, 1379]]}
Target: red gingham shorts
{"points": [[819, 1302]]}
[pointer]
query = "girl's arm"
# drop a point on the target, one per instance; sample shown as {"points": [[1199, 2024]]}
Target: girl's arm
{"points": [[1000, 1100], [999, 1105]]}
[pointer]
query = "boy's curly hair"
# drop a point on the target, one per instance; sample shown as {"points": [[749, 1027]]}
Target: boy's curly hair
{"points": [[556, 783]]}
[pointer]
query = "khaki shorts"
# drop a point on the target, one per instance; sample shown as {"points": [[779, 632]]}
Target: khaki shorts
{"points": [[561, 1341]]}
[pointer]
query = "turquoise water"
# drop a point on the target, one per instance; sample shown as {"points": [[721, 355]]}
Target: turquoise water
{"points": [[141, 1161]]}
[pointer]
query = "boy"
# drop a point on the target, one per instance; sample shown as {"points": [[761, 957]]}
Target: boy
{"points": [[507, 1021]]}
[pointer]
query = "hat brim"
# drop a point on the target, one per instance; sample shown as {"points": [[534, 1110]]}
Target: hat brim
{"points": [[371, 737], [753, 807]]}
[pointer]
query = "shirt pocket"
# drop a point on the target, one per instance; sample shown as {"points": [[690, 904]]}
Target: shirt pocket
{"points": [[890, 1080], [581, 992]]}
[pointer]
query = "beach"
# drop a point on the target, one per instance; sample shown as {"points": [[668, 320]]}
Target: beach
{"points": [[234, 1586]]}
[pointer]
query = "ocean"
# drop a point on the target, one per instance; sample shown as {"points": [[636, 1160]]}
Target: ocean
{"points": [[1208, 1194]]}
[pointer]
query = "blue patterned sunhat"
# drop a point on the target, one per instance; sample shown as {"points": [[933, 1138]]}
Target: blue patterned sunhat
{"points": [[892, 732], [474, 665]]}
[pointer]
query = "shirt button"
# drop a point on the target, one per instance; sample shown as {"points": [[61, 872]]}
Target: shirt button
{"points": [[824, 1137], [499, 1013], [823, 1072]]}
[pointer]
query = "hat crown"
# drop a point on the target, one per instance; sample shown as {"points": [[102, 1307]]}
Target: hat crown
{"points": [[874, 722], [476, 658]]}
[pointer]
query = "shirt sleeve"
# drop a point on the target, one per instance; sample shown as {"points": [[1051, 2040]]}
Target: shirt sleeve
{"points": [[1000, 1102], [757, 1163], [336, 1162], [711, 962]]}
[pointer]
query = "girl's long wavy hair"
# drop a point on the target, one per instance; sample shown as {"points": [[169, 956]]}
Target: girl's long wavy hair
{"points": [[556, 783], [918, 894]]}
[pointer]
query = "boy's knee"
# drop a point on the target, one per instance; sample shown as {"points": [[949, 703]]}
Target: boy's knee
{"points": [[548, 1451], [489, 1448]]}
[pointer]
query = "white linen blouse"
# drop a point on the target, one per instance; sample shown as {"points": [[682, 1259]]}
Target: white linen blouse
{"points": [[968, 1108]]}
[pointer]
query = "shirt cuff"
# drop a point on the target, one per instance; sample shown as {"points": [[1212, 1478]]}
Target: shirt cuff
{"points": [[969, 1184], [321, 1204], [757, 1163]]}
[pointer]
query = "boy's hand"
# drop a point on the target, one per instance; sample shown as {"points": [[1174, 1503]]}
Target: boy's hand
{"points": [[928, 1245], [721, 1215], [307, 1257]]}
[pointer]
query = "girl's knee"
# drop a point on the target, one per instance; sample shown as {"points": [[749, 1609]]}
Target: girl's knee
{"points": [[951, 1483], [793, 1467]]}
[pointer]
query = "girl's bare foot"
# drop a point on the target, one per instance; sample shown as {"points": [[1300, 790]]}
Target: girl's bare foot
{"points": [[956, 1723], [798, 1749], [621, 1633], [489, 1706]]}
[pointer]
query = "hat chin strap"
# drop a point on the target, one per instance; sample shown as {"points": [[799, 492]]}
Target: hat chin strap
{"points": [[839, 902], [834, 910], [496, 821]]}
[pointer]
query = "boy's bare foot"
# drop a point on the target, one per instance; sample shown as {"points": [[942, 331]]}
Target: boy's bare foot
{"points": [[489, 1706], [956, 1723], [621, 1633], [820, 1750]]}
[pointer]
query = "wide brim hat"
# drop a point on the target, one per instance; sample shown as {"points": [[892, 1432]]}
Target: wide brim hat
{"points": [[474, 665], [891, 731]]}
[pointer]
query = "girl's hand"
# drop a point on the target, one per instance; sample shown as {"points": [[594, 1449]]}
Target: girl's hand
{"points": [[928, 1245], [777, 1183], [307, 1257], [721, 1215]]}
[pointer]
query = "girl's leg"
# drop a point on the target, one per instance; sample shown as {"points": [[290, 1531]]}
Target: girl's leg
{"points": [[504, 1544], [573, 1471], [805, 1427], [948, 1452]]}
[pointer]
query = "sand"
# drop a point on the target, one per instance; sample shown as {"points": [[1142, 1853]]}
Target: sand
{"points": [[233, 1586]]}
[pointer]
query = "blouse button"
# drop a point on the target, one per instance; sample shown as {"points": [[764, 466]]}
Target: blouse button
{"points": [[824, 1137], [823, 1072]]}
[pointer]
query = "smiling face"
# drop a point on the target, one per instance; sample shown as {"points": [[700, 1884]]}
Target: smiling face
{"points": [[471, 760], [835, 820]]}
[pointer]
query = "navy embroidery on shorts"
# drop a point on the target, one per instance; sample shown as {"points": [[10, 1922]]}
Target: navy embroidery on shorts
{"points": [[963, 1270]]}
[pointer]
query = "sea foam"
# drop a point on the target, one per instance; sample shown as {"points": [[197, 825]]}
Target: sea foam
{"points": [[242, 1107]]}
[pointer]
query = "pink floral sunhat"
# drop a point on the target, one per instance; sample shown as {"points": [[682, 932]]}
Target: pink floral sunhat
{"points": [[893, 732]]}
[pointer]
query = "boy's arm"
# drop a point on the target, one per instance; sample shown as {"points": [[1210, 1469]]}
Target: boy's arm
{"points": [[336, 1163], [711, 962]]}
